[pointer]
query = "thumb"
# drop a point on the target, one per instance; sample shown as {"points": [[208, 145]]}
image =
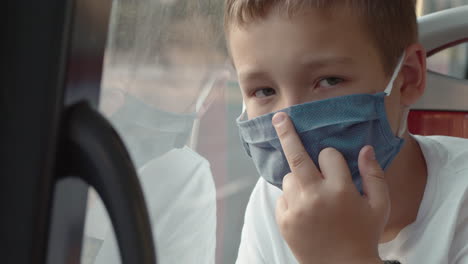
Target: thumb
{"points": [[374, 184]]}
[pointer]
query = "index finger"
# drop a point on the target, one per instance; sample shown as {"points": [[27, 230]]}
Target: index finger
{"points": [[298, 159]]}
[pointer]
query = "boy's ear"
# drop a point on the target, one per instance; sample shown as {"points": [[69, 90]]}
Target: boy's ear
{"points": [[414, 74]]}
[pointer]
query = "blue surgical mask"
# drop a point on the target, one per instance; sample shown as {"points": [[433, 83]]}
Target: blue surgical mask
{"points": [[346, 123], [149, 132]]}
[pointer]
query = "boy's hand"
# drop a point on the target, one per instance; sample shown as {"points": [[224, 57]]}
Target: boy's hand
{"points": [[321, 214]]}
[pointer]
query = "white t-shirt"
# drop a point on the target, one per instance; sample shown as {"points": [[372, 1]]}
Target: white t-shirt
{"points": [[439, 235], [181, 198]]}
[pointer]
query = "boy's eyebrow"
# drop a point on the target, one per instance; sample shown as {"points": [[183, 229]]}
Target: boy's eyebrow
{"points": [[251, 74]]}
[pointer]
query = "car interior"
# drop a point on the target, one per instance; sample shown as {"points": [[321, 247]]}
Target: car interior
{"points": [[71, 178]]}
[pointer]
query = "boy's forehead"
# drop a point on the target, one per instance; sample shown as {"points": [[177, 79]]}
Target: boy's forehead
{"points": [[311, 37]]}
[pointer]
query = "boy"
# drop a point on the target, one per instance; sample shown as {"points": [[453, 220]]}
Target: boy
{"points": [[326, 64]]}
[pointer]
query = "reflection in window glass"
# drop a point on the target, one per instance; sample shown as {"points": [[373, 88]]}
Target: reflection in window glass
{"points": [[167, 90], [453, 61], [430, 6]]}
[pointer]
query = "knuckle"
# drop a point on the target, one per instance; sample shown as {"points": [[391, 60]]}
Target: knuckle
{"points": [[286, 221], [288, 176], [375, 173], [313, 200], [317, 202], [298, 159], [299, 214], [287, 181], [341, 192], [285, 224], [338, 189]]}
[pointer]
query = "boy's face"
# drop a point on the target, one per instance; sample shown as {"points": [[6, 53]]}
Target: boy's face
{"points": [[320, 54]]}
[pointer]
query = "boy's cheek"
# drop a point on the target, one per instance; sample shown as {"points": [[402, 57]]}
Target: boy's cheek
{"points": [[251, 112]]}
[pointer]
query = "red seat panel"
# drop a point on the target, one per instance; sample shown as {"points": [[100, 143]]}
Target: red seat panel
{"points": [[444, 123]]}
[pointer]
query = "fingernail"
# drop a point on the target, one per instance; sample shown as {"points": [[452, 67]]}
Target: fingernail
{"points": [[278, 119], [371, 153]]}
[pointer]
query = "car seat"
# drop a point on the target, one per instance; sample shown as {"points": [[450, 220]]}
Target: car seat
{"points": [[443, 109]]}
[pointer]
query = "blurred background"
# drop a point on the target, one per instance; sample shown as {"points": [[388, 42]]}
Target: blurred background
{"points": [[453, 61]]}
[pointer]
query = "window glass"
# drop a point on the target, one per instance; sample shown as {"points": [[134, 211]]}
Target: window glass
{"points": [[430, 6], [169, 91], [452, 61]]}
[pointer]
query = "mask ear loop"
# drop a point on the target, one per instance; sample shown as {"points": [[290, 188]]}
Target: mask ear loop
{"points": [[388, 90], [404, 122], [203, 103], [206, 97]]}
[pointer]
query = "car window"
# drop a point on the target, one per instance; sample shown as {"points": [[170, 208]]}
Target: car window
{"points": [[169, 91], [453, 61]]}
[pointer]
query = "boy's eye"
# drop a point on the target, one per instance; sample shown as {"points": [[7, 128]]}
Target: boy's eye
{"points": [[264, 92], [330, 81]]}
